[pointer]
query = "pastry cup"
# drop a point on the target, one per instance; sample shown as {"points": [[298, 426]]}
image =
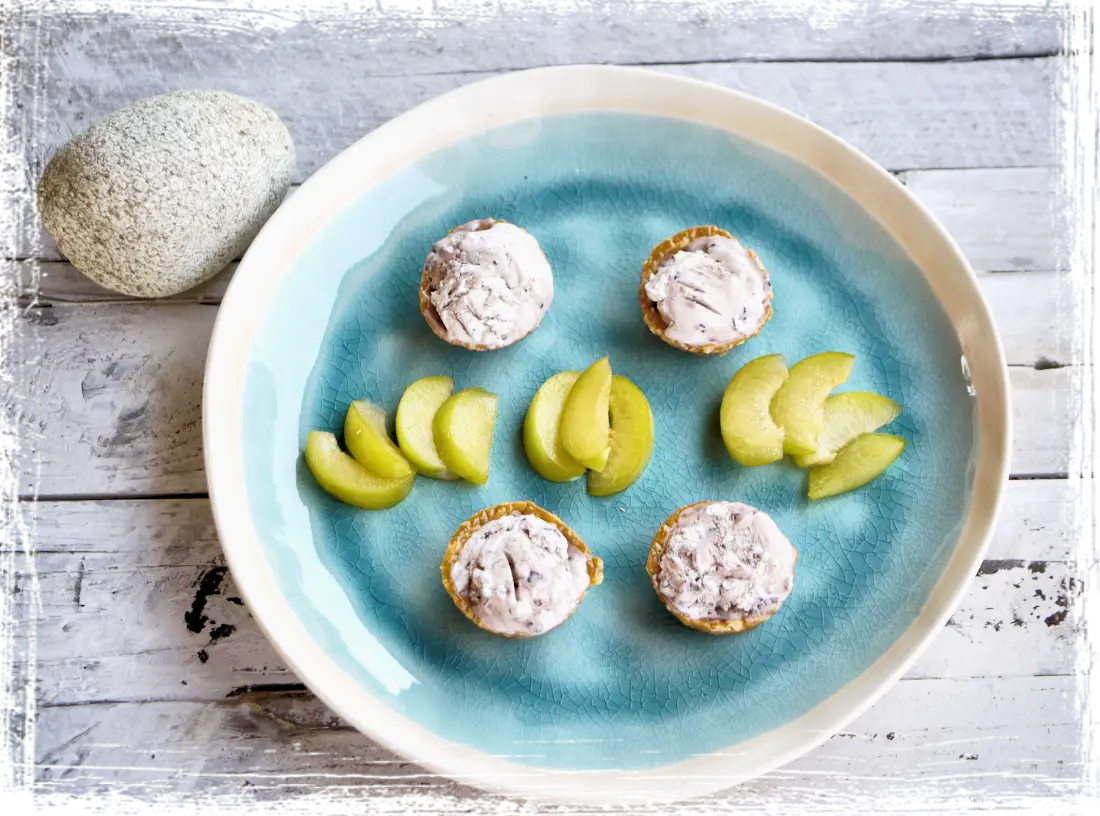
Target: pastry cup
{"points": [[712, 626], [479, 520], [431, 316], [655, 321]]}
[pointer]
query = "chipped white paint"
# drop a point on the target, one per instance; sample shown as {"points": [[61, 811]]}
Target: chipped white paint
{"points": [[932, 739], [107, 568], [112, 396]]}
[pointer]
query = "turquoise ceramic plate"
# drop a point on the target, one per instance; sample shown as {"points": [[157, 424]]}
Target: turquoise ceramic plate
{"points": [[600, 165]]}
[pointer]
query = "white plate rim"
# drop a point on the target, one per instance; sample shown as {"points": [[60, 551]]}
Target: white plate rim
{"points": [[546, 91]]}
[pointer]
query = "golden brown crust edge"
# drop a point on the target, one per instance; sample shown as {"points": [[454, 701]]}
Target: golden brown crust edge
{"points": [[710, 626], [431, 316], [653, 320], [483, 517]]}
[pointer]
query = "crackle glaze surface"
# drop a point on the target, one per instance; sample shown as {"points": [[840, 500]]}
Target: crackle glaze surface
{"points": [[622, 684]]}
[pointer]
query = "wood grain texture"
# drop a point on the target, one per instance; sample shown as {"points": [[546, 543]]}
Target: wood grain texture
{"points": [[919, 743], [445, 36], [1045, 410], [1034, 311], [114, 695], [1004, 219], [137, 603], [134, 591], [113, 399], [990, 113], [1035, 315], [116, 402]]}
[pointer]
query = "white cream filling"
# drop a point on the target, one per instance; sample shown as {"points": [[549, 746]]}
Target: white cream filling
{"points": [[726, 561], [490, 287], [520, 575], [712, 291]]}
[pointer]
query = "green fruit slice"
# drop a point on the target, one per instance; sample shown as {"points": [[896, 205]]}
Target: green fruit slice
{"points": [[585, 422], [541, 439], [799, 405], [463, 430], [631, 440], [415, 413], [751, 435], [847, 416], [366, 439], [857, 463], [347, 480]]}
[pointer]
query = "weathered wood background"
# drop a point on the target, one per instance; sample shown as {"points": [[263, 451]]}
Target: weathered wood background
{"points": [[151, 677]]}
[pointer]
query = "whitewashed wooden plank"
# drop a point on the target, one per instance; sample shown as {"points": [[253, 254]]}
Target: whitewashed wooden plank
{"points": [[989, 113], [21, 232], [990, 740], [117, 393], [113, 399], [1033, 310], [1038, 522], [449, 36], [910, 116], [1045, 414], [106, 569], [1035, 315], [1004, 219], [56, 281], [1027, 608]]}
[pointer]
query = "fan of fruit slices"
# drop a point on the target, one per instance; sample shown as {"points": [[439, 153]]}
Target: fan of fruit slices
{"points": [[592, 421], [769, 411], [440, 434]]}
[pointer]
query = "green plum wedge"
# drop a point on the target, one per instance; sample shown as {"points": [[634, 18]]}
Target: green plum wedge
{"points": [[463, 431], [586, 421], [631, 440], [345, 479], [799, 405], [751, 435], [541, 436], [857, 463], [847, 416], [366, 439], [415, 414]]}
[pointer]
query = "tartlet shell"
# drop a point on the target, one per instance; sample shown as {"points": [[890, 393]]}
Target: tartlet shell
{"points": [[431, 316], [712, 626], [653, 319], [483, 517]]}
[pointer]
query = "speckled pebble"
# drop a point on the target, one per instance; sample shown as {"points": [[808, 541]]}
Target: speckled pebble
{"points": [[160, 196]]}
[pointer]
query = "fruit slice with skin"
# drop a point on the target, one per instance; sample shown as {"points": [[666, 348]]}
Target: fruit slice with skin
{"points": [[847, 416], [751, 435], [366, 439], [857, 463], [415, 414], [541, 438], [799, 405], [463, 430], [585, 423], [347, 480], [631, 440]]}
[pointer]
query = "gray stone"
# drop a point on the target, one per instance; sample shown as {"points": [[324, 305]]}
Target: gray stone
{"points": [[160, 196]]}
